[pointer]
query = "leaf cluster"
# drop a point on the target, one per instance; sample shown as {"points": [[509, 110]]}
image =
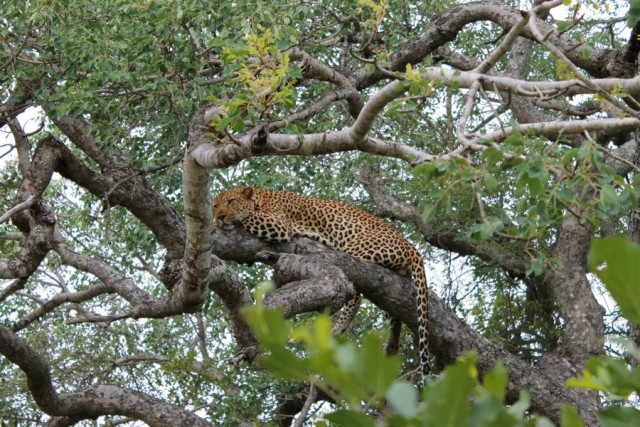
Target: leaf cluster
{"points": [[367, 390], [262, 75]]}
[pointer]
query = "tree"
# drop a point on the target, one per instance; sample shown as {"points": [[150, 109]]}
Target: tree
{"points": [[500, 141]]}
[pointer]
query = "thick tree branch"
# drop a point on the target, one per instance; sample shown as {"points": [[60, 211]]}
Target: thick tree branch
{"points": [[354, 137], [235, 296], [198, 221], [307, 284], [97, 400], [584, 330], [118, 184], [446, 27], [632, 49], [37, 221], [22, 146], [450, 336]]}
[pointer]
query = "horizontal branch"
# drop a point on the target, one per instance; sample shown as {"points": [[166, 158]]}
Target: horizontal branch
{"points": [[564, 127], [308, 284], [59, 299], [450, 336], [535, 89], [446, 27], [31, 200], [95, 401], [355, 137]]}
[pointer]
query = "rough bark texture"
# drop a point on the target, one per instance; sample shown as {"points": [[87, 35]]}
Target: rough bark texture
{"points": [[101, 399], [310, 277]]}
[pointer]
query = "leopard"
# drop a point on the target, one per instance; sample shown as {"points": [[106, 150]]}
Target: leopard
{"points": [[276, 215]]}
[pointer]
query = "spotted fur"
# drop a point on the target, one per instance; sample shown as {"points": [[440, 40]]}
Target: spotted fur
{"points": [[279, 215]]}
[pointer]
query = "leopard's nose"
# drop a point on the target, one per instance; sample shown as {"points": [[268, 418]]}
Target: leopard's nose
{"points": [[220, 218]]}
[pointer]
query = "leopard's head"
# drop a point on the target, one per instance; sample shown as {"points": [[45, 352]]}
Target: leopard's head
{"points": [[233, 206]]}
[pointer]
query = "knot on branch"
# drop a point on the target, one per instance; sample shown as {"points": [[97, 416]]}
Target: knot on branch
{"points": [[259, 141], [269, 258], [308, 283], [244, 354], [171, 272], [43, 214], [620, 64]]}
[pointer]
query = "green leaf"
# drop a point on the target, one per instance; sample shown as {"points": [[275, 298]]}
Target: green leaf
{"points": [[403, 398], [615, 262], [379, 370], [294, 71], [224, 122], [569, 417], [428, 213], [493, 154], [609, 200], [537, 181], [486, 229], [619, 416], [343, 417], [586, 381], [447, 399], [216, 42], [565, 194], [610, 376], [569, 156], [519, 408], [238, 124], [425, 169], [634, 13], [515, 140], [487, 411], [284, 363], [346, 357], [490, 182], [496, 382]]}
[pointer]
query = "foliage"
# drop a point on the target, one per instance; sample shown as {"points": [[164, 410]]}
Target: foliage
{"points": [[614, 261], [366, 386], [614, 377], [634, 13], [138, 72], [368, 390], [263, 76], [543, 178]]}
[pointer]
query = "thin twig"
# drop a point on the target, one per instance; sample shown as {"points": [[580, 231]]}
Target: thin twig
{"points": [[497, 53], [610, 154], [97, 319], [311, 397], [31, 200], [542, 39], [466, 112]]}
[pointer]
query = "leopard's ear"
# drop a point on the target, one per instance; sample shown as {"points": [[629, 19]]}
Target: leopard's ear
{"points": [[248, 192]]}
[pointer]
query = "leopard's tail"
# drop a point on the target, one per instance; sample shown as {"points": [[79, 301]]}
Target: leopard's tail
{"points": [[419, 278]]}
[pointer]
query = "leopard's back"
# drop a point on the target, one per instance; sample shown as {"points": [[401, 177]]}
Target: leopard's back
{"points": [[343, 227], [279, 215]]}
